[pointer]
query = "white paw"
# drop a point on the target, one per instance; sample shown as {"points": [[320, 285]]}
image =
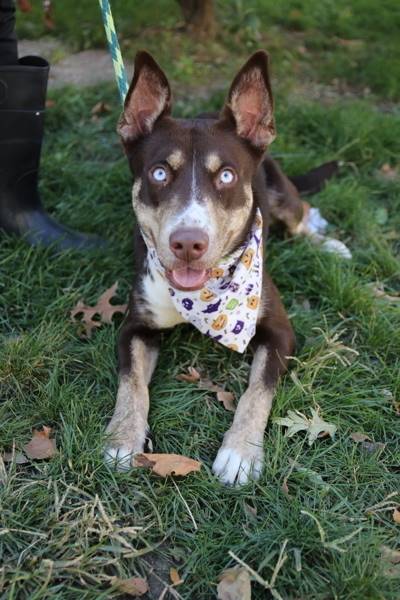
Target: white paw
{"points": [[316, 222], [121, 457], [237, 467], [336, 247]]}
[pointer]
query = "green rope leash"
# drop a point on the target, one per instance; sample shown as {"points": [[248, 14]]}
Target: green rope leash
{"points": [[115, 51]]}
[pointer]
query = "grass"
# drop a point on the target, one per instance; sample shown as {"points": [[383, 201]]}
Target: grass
{"points": [[353, 48], [70, 524]]}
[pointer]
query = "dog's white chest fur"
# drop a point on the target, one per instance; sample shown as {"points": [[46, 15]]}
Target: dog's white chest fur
{"points": [[157, 299]]}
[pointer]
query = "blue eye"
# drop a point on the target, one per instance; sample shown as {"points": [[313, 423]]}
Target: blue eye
{"points": [[226, 176], [159, 174]]}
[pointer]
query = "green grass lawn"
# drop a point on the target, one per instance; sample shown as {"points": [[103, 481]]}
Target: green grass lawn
{"points": [[68, 525]]}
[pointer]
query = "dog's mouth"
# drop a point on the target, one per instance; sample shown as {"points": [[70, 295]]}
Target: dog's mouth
{"points": [[188, 279]]}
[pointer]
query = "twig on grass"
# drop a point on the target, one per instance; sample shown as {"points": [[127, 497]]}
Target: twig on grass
{"points": [[267, 585], [186, 505], [334, 544]]}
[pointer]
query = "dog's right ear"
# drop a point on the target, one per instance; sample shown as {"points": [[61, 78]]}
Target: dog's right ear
{"points": [[148, 98]]}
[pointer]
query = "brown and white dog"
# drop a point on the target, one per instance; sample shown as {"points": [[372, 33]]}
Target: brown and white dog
{"points": [[197, 185]]}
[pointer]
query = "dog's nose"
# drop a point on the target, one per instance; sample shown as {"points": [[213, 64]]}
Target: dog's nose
{"points": [[188, 244]]}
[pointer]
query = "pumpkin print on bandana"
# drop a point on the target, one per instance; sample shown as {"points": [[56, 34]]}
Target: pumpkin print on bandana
{"points": [[226, 308]]}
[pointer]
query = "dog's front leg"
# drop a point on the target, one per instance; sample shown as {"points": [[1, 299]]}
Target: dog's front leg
{"points": [[128, 427], [241, 454]]}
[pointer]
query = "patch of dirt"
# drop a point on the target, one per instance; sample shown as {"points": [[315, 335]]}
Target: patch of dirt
{"points": [[83, 69]]}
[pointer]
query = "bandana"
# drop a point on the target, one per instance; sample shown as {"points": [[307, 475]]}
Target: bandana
{"points": [[226, 308]]}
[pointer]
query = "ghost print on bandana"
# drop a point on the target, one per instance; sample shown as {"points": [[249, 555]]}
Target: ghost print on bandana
{"points": [[226, 308]]}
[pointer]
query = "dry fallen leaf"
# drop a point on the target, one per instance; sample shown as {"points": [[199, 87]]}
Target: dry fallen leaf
{"points": [[174, 576], [50, 103], [359, 437], [234, 584], [41, 446], [391, 562], [104, 309], [191, 376], [372, 446], [250, 510], [378, 291], [396, 516], [392, 556], [388, 172], [134, 586], [18, 457], [100, 108], [315, 427], [285, 487], [168, 464], [227, 399]]}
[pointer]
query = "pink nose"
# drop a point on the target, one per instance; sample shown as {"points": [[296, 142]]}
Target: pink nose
{"points": [[188, 244]]}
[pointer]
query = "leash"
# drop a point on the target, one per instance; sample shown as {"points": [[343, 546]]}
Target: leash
{"points": [[115, 51]]}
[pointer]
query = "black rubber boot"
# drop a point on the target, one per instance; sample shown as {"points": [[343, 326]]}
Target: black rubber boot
{"points": [[22, 101]]}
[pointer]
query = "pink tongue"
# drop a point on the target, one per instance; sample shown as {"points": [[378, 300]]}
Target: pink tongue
{"points": [[189, 278]]}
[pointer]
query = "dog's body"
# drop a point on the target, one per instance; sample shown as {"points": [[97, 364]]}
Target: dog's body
{"points": [[198, 184]]}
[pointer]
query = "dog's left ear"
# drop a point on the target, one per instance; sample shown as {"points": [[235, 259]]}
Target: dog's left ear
{"points": [[250, 102], [148, 98]]}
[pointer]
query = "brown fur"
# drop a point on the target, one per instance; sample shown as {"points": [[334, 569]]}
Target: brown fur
{"points": [[193, 151]]}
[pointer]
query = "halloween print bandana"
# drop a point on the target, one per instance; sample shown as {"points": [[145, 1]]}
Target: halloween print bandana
{"points": [[226, 308]]}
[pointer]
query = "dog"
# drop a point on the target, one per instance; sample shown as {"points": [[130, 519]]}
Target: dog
{"points": [[205, 194]]}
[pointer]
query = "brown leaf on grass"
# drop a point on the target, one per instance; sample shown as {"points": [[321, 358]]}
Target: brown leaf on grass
{"points": [[396, 516], [373, 446], [227, 399], [17, 457], [174, 576], [104, 309], [250, 510], [391, 561], [100, 108], [388, 172], [359, 437], [192, 376], [234, 584], [285, 487], [50, 103], [392, 556], [168, 464], [134, 586], [41, 445], [378, 290]]}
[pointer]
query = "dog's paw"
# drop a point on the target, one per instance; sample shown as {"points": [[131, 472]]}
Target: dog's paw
{"points": [[237, 465], [123, 445], [121, 457], [315, 222]]}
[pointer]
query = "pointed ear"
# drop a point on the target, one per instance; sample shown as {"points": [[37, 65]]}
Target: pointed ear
{"points": [[250, 102], [148, 98]]}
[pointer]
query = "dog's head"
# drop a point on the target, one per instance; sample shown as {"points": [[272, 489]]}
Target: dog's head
{"points": [[192, 192]]}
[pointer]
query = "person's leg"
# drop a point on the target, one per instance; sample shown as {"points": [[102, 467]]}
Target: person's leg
{"points": [[23, 86]]}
